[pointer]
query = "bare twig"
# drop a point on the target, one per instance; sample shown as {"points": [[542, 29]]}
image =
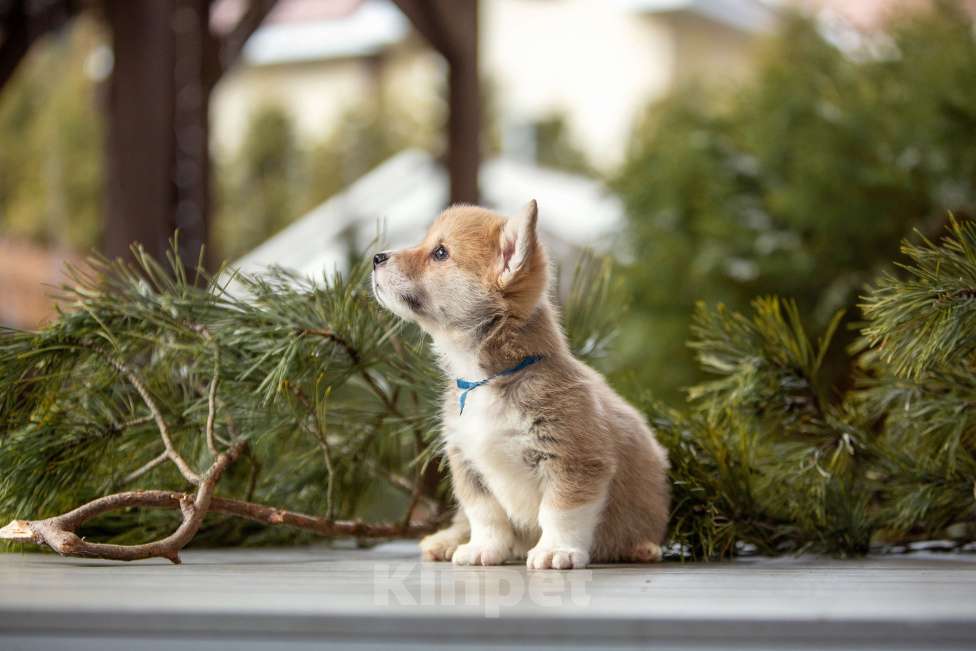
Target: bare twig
{"points": [[399, 482], [142, 470], [212, 393], [336, 339], [211, 409], [319, 432], [58, 532], [322, 526], [418, 480], [231, 44], [171, 452], [356, 359], [252, 480], [135, 422], [414, 500]]}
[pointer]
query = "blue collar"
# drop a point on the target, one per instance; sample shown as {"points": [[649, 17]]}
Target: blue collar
{"points": [[467, 386]]}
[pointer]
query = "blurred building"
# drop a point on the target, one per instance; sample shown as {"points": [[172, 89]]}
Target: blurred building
{"points": [[597, 63], [394, 203]]}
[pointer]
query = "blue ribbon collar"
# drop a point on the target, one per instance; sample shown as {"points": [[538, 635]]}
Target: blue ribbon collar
{"points": [[467, 386]]}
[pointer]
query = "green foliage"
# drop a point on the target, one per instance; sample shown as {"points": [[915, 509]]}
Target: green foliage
{"points": [[50, 159], [259, 191], [919, 385], [938, 298], [593, 308], [769, 458], [556, 148], [780, 458], [800, 184]]}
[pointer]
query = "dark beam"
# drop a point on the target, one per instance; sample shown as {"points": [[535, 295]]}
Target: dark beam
{"points": [[15, 41], [25, 21], [451, 27], [230, 45], [423, 15], [192, 40], [167, 62], [139, 133], [464, 99]]}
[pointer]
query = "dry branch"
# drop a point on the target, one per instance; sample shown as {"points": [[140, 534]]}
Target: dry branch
{"points": [[58, 532], [212, 391], [149, 465]]}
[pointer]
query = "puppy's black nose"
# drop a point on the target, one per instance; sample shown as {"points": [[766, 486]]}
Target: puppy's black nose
{"points": [[380, 258]]}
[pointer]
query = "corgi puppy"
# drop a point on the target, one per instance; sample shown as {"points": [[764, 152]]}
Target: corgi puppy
{"points": [[548, 463]]}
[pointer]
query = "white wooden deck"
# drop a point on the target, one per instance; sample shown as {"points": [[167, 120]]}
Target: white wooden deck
{"points": [[326, 598]]}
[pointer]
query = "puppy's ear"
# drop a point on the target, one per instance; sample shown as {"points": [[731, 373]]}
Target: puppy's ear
{"points": [[518, 242]]}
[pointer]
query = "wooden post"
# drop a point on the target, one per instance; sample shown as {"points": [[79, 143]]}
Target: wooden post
{"points": [[193, 42], [157, 102], [138, 177], [464, 100], [451, 27], [167, 62]]}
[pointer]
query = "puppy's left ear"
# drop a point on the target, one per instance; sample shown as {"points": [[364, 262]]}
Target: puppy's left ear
{"points": [[519, 241]]}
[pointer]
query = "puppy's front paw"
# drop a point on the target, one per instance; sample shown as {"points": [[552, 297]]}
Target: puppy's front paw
{"points": [[555, 557], [441, 546], [480, 554]]}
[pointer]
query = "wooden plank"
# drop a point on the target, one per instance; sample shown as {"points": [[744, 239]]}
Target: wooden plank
{"points": [[266, 598]]}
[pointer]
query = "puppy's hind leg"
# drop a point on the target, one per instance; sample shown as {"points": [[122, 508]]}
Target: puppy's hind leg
{"points": [[645, 552], [440, 546]]}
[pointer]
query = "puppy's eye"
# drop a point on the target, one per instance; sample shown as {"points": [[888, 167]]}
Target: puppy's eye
{"points": [[439, 254]]}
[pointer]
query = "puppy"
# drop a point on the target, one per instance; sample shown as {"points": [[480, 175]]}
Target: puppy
{"points": [[548, 463]]}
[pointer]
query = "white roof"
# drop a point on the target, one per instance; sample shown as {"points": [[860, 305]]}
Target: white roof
{"points": [[375, 25], [406, 193], [745, 15], [370, 28]]}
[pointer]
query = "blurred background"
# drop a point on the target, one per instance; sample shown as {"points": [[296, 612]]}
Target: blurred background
{"points": [[717, 149]]}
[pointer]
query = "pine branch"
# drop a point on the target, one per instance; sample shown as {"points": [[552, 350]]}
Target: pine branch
{"points": [[929, 319]]}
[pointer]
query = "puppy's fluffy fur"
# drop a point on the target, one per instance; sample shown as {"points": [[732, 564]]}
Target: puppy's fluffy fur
{"points": [[548, 464]]}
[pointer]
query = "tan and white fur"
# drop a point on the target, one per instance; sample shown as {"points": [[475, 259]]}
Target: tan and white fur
{"points": [[548, 464]]}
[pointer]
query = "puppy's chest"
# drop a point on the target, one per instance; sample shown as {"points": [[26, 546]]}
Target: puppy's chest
{"points": [[493, 435]]}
